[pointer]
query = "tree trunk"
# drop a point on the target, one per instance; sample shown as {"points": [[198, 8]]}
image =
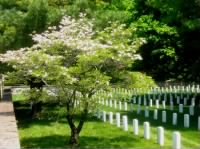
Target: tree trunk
{"points": [[36, 107], [74, 138]]}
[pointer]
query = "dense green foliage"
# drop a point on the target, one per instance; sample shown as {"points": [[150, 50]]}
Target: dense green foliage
{"points": [[171, 29]]}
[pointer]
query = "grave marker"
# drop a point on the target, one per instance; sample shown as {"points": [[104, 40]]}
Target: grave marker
{"points": [[191, 110], [125, 123], [176, 140], [174, 119], [157, 104], [155, 114], [171, 106], [135, 127], [146, 112], [163, 104], [160, 136], [104, 116], [146, 130], [118, 119], [125, 106], [111, 117], [150, 103], [186, 120], [120, 105], [180, 108], [164, 117]]}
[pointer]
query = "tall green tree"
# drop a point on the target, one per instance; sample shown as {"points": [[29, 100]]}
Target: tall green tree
{"points": [[36, 17], [172, 34], [75, 60]]}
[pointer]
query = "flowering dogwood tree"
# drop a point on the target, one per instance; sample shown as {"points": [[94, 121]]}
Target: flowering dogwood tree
{"points": [[75, 59]]}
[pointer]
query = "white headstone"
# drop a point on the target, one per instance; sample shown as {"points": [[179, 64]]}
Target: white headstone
{"points": [[174, 119], [118, 119], [104, 116], [125, 106], [163, 104], [186, 120], [135, 127], [160, 136], [150, 103], [120, 105], [157, 104], [138, 109], [180, 108], [146, 130], [111, 117], [164, 117], [193, 102], [176, 140], [146, 112], [199, 123], [155, 114], [191, 110], [125, 123]]}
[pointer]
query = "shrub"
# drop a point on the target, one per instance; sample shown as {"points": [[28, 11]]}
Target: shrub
{"points": [[136, 80]]}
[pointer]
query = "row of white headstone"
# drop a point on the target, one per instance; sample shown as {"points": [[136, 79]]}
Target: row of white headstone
{"points": [[181, 106], [171, 100], [111, 104], [157, 104], [164, 113], [170, 89], [186, 122], [176, 139]]}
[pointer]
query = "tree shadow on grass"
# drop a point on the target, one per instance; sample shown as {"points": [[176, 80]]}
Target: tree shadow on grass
{"points": [[59, 141], [54, 141]]}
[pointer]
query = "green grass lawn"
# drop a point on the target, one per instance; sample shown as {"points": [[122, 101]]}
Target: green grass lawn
{"points": [[50, 130]]}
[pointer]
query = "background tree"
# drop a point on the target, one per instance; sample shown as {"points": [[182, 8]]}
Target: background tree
{"points": [[73, 58], [172, 31]]}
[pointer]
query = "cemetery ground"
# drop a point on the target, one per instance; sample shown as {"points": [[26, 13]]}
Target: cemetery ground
{"points": [[50, 129]]}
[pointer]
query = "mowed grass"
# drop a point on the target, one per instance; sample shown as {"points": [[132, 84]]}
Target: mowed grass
{"points": [[53, 132], [50, 130]]}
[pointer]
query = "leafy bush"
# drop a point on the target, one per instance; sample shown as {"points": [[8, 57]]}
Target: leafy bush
{"points": [[136, 80]]}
